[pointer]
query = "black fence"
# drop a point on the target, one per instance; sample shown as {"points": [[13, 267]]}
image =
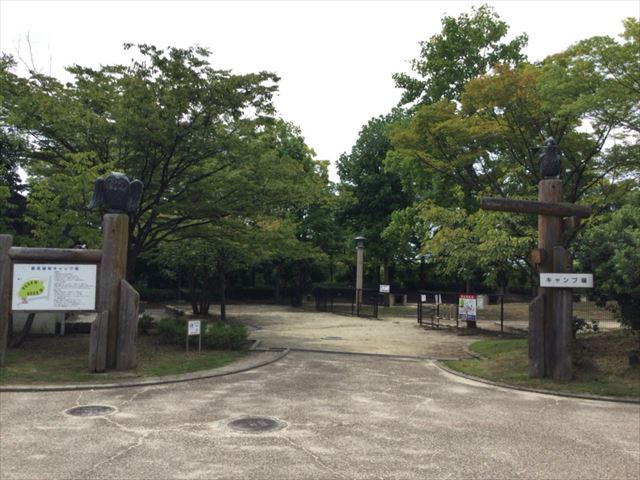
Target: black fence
{"points": [[347, 301], [507, 311]]}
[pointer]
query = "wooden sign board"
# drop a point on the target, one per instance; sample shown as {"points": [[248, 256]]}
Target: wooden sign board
{"points": [[53, 286], [566, 280]]}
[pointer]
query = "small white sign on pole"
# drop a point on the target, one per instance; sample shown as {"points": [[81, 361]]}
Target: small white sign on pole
{"points": [[193, 328], [423, 298], [566, 280], [385, 288]]}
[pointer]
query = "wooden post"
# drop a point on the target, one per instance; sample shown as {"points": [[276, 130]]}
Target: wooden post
{"points": [[562, 310], [5, 292], [549, 236], [98, 343], [536, 337], [128, 327], [113, 269]]}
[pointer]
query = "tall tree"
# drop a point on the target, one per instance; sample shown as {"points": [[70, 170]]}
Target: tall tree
{"points": [[167, 118], [466, 47], [371, 193]]}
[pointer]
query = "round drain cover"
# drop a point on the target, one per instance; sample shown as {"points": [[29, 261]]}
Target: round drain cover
{"points": [[90, 410], [256, 424]]}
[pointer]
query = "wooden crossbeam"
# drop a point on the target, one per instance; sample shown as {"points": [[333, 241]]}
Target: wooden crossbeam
{"points": [[539, 208]]}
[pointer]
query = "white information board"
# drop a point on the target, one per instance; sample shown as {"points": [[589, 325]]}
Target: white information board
{"points": [[566, 280], [385, 288], [49, 287], [194, 327]]}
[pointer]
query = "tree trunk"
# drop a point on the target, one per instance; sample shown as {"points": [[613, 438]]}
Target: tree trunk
{"points": [[298, 289], [222, 279], [277, 293]]}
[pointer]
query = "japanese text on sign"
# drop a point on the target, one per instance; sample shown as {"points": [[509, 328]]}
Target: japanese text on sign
{"points": [[194, 327], [566, 280], [49, 287]]}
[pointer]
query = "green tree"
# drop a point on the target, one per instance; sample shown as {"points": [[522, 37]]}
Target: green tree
{"points": [[466, 47], [370, 193], [168, 119], [487, 144], [610, 248]]}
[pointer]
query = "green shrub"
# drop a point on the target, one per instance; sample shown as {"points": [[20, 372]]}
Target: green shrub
{"points": [[225, 337], [145, 322], [171, 331]]}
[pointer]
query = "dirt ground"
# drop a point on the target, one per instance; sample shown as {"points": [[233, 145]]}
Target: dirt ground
{"points": [[305, 329]]}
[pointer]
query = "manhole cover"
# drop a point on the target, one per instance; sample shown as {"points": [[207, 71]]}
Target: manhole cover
{"points": [[90, 410], [256, 424]]}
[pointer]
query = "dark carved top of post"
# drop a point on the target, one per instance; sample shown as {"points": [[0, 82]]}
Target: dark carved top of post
{"points": [[116, 193], [360, 241], [550, 159]]}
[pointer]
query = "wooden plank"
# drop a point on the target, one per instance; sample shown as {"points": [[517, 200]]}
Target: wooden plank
{"points": [[550, 208], [536, 337], [98, 343], [70, 255], [128, 327], [5, 293], [113, 269], [562, 366]]}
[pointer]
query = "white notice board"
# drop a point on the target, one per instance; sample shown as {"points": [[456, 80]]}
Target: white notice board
{"points": [[194, 327], [48, 287]]}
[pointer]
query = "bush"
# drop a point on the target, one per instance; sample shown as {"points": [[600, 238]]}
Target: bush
{"points": [[145, 322], [171, 331], [225, 337], [582, 325]]}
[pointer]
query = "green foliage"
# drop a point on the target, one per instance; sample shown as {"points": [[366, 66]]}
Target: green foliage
{"points": [[449, 154], [582, 325], [369, 193], [467, 46], [610, 248], [145, 323], [171, 331], [224, 336]]}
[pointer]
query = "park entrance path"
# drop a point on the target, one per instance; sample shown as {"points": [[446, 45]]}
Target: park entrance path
{"points": [[296, 328], [343, 417]]}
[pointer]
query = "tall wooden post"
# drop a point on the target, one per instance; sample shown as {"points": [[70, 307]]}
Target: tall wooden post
{"points": [[113, 269], [549, 236], [5, 292]]}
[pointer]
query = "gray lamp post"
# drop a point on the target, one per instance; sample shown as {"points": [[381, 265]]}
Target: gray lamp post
{"points": [[359, 267]]}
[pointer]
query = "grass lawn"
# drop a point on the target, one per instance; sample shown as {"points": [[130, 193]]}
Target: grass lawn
{"points": [[601, 365], [49, 360]]}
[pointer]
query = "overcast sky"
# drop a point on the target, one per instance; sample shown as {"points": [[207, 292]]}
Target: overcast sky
{"points": [[335, 58]]}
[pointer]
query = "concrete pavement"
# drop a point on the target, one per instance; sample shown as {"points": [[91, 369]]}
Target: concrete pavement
{"points": [[346, 417]]}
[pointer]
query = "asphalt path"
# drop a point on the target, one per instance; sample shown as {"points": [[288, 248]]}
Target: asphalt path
{"points": [[343, 417]]}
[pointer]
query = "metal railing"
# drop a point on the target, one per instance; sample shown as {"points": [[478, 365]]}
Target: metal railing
{"points": [[347, 301], [438, 308]]}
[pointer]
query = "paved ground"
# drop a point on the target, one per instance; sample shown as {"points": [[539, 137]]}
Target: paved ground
{"points": [[276, 326], [346, 417]]}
